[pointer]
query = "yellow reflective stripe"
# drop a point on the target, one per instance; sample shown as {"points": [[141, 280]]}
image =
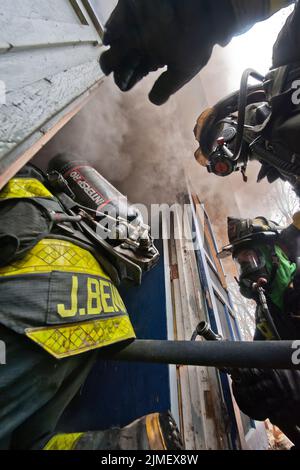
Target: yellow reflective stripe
{"points": [[63, 442], [154, 433], [55, 255], [18, 188], [70, 340]]}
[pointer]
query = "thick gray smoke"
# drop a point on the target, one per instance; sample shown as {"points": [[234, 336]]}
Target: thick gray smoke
{"points": [[146, 151], [135, 145]]}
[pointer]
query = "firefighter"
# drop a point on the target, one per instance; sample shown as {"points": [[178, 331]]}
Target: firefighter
{"points": [[267, 258], [145, 36], [59, 305]]}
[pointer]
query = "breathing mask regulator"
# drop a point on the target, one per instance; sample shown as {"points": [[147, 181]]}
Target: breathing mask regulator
{"points": [[104, 216], [252, 266], [244, 127], [252, 247]]}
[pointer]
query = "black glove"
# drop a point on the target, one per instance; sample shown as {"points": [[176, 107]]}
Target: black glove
{"points": [[273, 394], [146, 35], [292, 302]]}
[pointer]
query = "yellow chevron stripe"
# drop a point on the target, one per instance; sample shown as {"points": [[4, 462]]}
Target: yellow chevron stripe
{"points": [[18, 188], [55, 255], [71, 340], [63, 442]]}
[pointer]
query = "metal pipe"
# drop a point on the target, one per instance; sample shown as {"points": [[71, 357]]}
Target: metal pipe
{"points": [[221, 354]]}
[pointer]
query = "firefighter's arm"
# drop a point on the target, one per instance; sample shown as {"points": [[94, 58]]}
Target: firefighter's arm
{"points": [[23, 220], [290, 243], [287, 46], [248, 13], [145, 36], [269, 394], [22, 225], [292, 299]]}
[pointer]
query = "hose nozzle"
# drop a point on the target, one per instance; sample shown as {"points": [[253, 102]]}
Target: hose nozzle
{"points": [[204, 330]]}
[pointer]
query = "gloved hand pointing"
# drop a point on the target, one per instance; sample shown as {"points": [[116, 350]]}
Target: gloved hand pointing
{"points": [[146, 35]]}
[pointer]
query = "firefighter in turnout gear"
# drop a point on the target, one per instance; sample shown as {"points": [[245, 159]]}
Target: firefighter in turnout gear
{"points": [[59, 305], [267, 258], [259, 122]]}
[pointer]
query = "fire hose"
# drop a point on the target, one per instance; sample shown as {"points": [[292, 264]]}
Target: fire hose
{"points": [[219, 354], [224, 355]]}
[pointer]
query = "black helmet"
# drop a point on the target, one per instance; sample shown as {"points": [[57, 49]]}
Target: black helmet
{"points": [[243, 232]]}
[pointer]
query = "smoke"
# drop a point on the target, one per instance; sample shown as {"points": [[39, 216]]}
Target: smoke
{"points": [[95, 134], [231, 197], [138, 147], [145, 151]]}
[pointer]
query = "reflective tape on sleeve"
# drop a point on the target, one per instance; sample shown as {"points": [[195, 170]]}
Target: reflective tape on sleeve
{"points": [[71, 340], [18, 188], [55, 255], [63, 442]]}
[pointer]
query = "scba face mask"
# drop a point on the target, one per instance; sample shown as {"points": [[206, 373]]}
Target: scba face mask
{"points": [[265, 262], [251, 263]]}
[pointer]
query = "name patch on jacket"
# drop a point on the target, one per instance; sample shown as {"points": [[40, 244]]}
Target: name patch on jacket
{"points": [[79, 297]]}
